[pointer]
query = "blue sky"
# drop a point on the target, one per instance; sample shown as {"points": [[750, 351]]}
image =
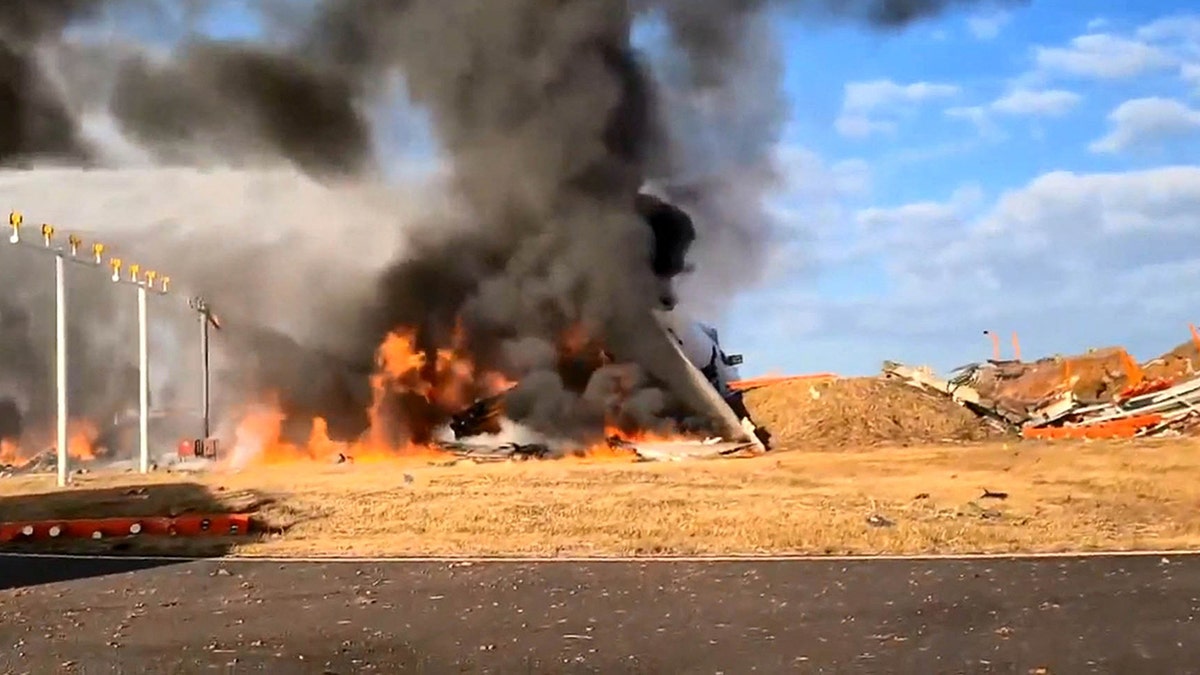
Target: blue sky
{"points": [[944, 221], [1030, 170]]}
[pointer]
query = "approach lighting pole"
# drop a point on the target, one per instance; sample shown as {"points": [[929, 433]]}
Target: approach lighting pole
{"points": [[144, 282], [61, 255], [200, 305]]}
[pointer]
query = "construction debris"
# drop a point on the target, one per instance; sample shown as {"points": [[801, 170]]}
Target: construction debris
{"points": [[1102, 394], [957, 389]]}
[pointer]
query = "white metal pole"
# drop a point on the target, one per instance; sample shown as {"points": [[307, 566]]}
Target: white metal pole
{"points": [[60, 365], [144, 388], [204, 392]]}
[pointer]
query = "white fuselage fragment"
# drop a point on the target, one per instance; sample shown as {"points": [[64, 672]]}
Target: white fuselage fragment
{"points": [[701, 345]]}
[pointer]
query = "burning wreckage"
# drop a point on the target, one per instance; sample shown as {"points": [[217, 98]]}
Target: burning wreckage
{"points": [[445, 403], [663, 393], [423, 394], [688, 353]]}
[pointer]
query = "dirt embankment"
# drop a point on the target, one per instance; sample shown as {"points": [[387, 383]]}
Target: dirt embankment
{"points": [[860, 412]]}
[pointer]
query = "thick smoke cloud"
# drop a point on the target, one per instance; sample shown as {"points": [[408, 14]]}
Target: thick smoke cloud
{"points": [[552, 124], [286, 261], [240, 100], [549, 121], [33, 120]]}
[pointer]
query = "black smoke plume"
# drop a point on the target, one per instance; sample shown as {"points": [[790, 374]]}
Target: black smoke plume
{"points": [[552, 126]]}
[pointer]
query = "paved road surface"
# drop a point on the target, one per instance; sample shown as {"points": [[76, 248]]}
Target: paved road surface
{"points": [[1005, 616]]}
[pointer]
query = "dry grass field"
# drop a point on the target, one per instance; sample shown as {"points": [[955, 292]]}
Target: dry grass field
{"points": [[927, 499]]}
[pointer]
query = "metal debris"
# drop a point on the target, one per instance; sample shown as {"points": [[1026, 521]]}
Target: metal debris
{"points": [[44, 462], [877, 520], [485, 452], [1146, 408], [959, 390], [654, 451]]}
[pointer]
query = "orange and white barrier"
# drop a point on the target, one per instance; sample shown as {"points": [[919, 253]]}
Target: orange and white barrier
{"points": [[756, 382], [217, 525], [1125, 427]]}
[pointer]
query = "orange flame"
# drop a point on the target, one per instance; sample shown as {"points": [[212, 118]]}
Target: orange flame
{"points": [[81, 439], [446, 379], [410, 388], [10, 452], [574, 340], [81, 443]]}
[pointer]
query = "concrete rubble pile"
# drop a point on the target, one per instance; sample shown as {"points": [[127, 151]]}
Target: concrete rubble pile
{"points": [[1102, 394]]}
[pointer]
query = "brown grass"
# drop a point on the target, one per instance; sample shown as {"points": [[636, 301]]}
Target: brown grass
{"points": [[1065, 496]]}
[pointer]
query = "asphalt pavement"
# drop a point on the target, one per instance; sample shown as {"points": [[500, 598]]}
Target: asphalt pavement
{"points": [[1070, 615]]}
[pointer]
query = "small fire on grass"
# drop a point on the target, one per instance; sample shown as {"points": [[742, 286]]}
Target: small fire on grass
{"points": [[414, 394], [620, 445]]}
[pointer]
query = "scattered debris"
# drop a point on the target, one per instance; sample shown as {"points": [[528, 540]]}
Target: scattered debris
{"points": [[481, 417], [1101, 395], [43, 462], [667, 450], [958, 389], [973, 509], [676, 451], [877, 520]]}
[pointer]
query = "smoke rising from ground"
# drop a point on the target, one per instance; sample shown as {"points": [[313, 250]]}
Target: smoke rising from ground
{"points": [[286, 262], [549, 122]]}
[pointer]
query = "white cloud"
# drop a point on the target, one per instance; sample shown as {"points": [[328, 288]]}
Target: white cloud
{"points": [[1190, 72], [806, 174], [814, 195], [1070, 260], [1146, 122], [852, 177], [871, 107], [858, 125], [1096, 24], [1185, 27], [880, 229], [1037, 103], [1020, 102], [1064, 205], [866, 96], [1103, 56], [987, 25], [979, 117]]}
